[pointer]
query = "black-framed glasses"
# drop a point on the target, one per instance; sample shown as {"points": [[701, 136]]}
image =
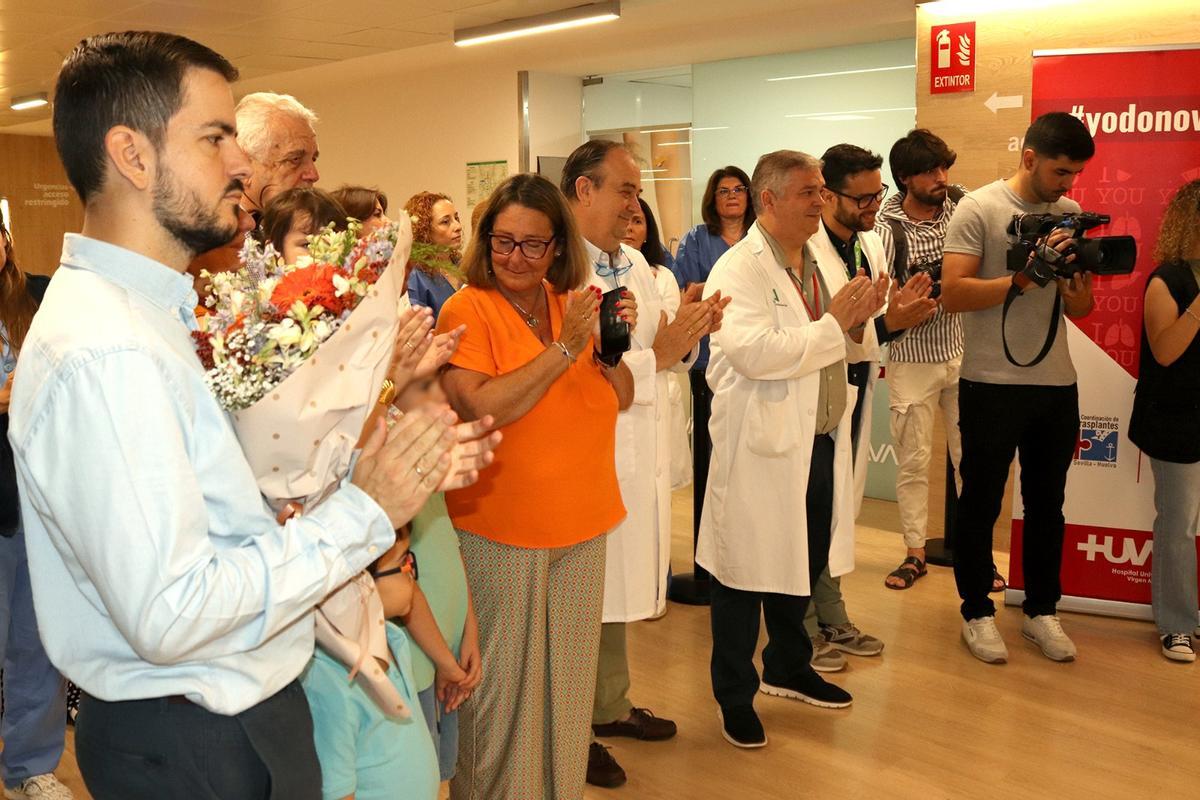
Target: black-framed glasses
{"points": [[863, 200], [530, 248], [727, 191], [408, 564]]}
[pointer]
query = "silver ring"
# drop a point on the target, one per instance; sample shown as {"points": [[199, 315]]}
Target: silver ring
{"points": [[410, 345], [853, 297], [420, 472]]}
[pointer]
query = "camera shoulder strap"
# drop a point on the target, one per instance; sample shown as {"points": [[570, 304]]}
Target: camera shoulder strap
{"points": [[1051, 334]]}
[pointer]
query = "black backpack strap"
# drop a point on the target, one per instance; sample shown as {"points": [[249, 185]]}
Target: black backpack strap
{"points": [[899, 250]]}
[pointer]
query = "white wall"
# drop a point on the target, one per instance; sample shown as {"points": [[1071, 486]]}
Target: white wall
{"points": [[555, 115], [407, 123]]}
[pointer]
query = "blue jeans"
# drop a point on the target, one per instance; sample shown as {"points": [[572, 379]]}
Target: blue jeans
{"points": [[1173, 589], [35, 695], [443, 727]]}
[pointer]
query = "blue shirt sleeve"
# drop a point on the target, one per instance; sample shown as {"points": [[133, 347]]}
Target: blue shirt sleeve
{"points": [[686, 265], [131, 511]]}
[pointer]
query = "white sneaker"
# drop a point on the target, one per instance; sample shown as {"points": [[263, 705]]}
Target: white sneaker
{"points": [[984, 640], [1178, 647], [40, 787], [1047, 633]]}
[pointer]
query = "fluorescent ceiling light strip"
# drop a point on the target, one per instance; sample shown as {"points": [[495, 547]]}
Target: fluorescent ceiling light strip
{"points": [[673, 144], [673, 130], [849, 111], [842, 117], [29, 101], [540, 23], [843, 72]]}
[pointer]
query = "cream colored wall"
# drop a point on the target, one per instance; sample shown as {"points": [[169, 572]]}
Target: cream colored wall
{"points": [[405, 121]]}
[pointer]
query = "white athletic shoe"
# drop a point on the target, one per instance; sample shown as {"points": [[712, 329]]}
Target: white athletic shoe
{"points": [[40, 787], [984, 640], [1047, 633]]}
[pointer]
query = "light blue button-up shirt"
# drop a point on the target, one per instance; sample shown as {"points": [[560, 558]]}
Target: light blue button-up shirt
{"points": [[157, 567]]}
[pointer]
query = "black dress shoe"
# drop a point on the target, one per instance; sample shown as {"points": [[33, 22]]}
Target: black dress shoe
{"points": [[741, 728], [603, 770], [813, 690], [642, 724]]}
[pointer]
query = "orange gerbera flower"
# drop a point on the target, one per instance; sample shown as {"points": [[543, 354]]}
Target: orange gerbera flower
{"points": [[312, 285]]}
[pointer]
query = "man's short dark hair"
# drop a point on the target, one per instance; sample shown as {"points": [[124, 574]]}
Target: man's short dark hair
{"points": [[584, 162], [843, 160], [134, 78], [919, 151], [1060, 134]]}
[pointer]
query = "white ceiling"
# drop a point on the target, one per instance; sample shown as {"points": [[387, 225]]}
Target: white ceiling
{"points": [[267, 37]]}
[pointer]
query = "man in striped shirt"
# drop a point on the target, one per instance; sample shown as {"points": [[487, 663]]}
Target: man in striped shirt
{"points": [[923, 364]]}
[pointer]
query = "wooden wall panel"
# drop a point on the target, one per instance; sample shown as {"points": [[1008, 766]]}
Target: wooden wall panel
{"points": [[1005, 41], [42, 205]]}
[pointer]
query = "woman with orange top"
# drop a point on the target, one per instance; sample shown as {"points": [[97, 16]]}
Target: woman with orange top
{"points": [[531, 529]]}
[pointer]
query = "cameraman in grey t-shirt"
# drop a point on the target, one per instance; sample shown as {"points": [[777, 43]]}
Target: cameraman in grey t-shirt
{"points": [[1005, 408]]}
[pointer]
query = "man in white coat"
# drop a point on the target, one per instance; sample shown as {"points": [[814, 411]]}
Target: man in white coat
{"points": [[602, 181], [779, 505], [846, 245]]}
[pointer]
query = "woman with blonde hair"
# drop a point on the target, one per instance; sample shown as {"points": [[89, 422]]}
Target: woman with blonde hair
{"points": [[1166, 419], [434, 274], [532, 530]]}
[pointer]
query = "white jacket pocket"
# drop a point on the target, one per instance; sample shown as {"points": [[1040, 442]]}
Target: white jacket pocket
{"points": [[772, 420]]}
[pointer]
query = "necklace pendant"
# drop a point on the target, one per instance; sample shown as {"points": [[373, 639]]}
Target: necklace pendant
{"points": [[532, 322]]}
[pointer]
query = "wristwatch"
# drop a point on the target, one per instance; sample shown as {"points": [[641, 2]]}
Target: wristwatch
{"points": [[387, 393]]}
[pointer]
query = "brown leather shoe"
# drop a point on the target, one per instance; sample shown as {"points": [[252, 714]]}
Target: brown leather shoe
{"points": [[642, 724], [603, 770]]}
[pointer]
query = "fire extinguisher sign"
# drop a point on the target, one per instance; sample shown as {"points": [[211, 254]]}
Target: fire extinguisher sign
{"points": [[952, 55]]}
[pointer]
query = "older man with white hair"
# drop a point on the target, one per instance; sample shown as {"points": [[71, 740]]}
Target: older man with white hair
{"points": [[276, 133]]}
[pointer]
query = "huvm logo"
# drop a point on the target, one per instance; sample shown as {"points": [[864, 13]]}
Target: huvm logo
{"points": [[1130, 552]]}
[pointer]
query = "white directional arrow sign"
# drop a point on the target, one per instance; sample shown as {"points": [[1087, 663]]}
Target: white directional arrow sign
{"points": [[1009, 101]]}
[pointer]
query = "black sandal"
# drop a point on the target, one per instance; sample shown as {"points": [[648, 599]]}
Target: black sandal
{"points": [[997, 578], [909, 571]]}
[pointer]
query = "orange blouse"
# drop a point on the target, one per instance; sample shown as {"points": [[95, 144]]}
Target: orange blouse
{"points": [[554, 480]]}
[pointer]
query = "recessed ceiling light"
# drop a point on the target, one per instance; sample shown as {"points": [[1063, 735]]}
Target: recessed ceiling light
{"points": [[541, 23], [29, 101]]}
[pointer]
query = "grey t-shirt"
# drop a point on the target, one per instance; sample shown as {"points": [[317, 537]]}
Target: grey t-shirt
{"points": [[979, 228]]}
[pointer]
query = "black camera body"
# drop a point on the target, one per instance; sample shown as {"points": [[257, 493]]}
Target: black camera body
{"points": [[934, 270], [1102, 255]]}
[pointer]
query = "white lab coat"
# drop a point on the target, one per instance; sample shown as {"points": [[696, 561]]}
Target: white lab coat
{"points": [[764, 370], [833, 270], [679, 443], [639, 549]]}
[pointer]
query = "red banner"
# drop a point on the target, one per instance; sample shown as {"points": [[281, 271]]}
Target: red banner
{"points": [[1143, 110]]}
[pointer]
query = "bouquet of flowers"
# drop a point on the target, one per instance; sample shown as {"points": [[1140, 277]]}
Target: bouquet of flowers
{"points": [[297, 354]]}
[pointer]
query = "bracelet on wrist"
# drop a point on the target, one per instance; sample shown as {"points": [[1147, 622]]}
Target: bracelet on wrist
{"points": [[565, 351], [1191, 313]]}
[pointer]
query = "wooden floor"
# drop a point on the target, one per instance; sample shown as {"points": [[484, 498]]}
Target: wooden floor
{"points": [[928, 720]]}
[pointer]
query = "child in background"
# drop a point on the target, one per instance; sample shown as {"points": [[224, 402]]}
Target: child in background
{"points": [[441, 625], [364, 753]]}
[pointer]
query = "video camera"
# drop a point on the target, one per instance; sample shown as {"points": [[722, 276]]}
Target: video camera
{"points": [[1103, 255]]}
